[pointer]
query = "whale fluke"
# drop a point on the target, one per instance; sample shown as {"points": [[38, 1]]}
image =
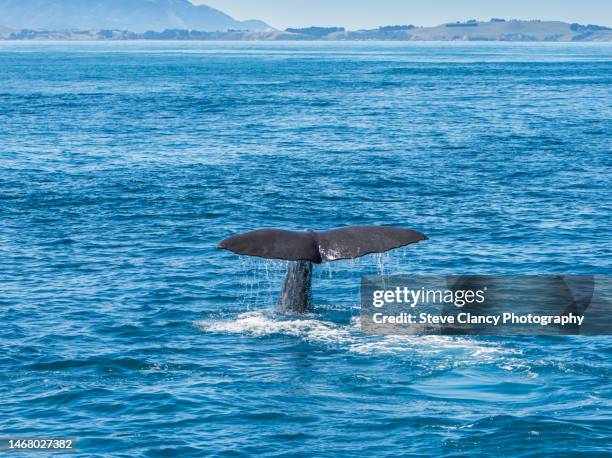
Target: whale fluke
{"points": [[274, 244], [357, 241], [318, 246], [308, 247]]}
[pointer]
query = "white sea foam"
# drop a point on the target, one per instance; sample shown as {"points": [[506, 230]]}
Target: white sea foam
{"points": [[316, 331], [259, 324]]}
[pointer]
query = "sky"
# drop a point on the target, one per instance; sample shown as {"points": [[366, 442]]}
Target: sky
{"points": [[356, 14]]}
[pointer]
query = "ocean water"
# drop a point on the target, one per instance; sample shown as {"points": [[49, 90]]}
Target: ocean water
{"points": [[122, 165]]}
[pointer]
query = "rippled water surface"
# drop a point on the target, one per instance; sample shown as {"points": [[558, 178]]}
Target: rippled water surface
{"points": [[123, 165]]}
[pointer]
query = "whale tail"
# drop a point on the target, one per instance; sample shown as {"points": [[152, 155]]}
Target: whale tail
{"points": [[321, 246], [306, 248]]}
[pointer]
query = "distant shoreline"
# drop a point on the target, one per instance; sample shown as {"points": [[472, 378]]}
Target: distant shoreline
{"points": [[495, 30]]}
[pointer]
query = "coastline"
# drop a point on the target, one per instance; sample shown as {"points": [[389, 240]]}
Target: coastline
{"points": [[491, 31]]}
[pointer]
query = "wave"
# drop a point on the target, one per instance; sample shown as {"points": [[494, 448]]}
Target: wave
{"points": [[311, 329]]}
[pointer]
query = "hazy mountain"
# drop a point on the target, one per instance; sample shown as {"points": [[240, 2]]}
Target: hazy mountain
{"points": [[133, 15]]}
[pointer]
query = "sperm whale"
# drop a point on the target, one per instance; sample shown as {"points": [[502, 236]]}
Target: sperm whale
{"points": [[305, 248]]}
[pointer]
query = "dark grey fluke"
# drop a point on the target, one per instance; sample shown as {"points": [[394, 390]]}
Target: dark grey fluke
{"points": [[307, 247], [319, 246]]}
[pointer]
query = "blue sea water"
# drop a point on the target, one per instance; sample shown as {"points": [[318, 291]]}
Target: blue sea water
{"points": [[122, 165]]}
